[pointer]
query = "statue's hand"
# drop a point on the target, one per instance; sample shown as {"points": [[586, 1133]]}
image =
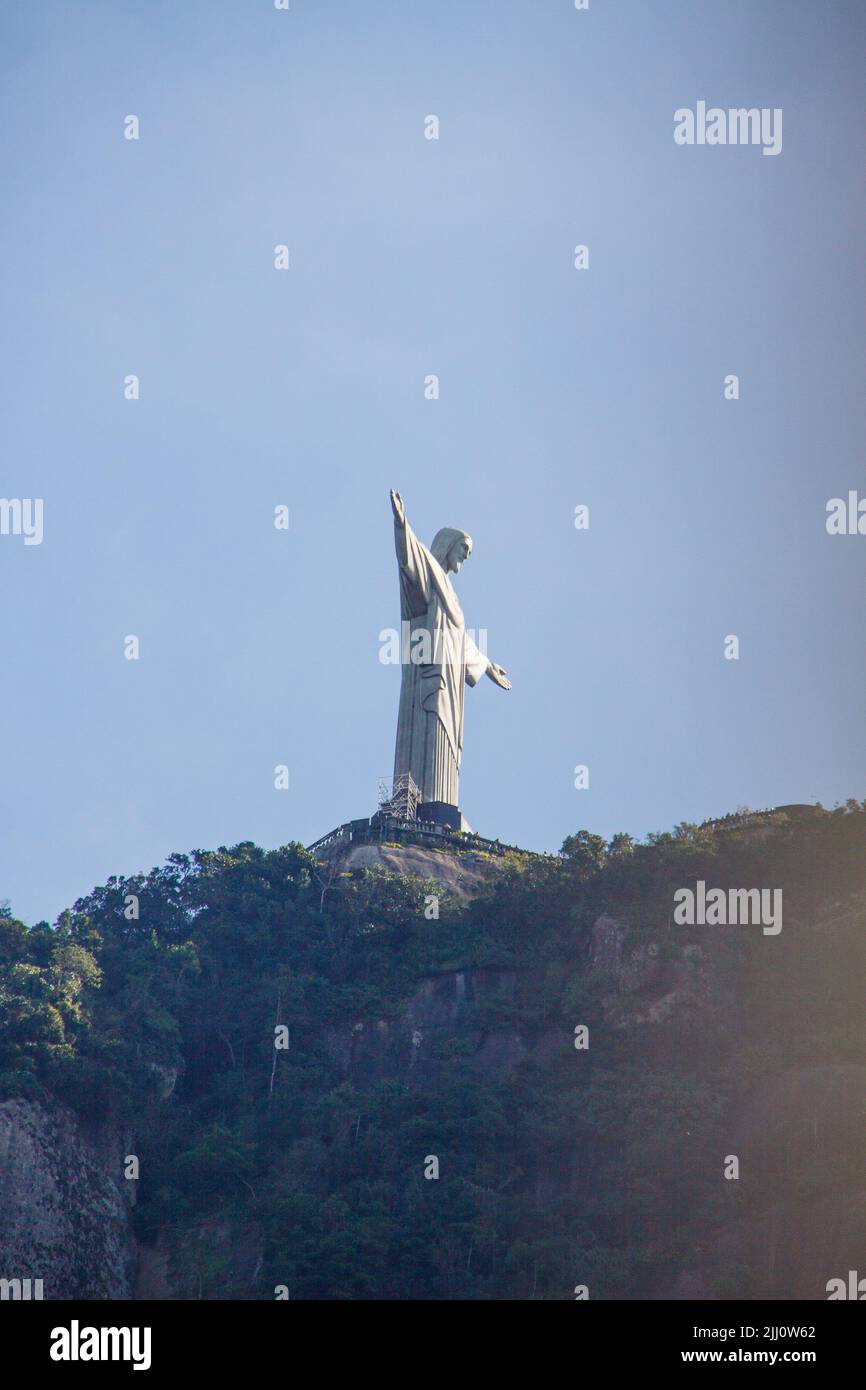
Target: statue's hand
{"points": [[497, 675], [397, 507]]}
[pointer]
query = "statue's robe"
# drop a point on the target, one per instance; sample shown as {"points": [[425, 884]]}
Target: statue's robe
{"points": [[430, 721]]}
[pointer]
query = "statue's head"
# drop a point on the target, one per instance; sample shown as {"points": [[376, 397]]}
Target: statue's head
{"points": [[451, 547]]}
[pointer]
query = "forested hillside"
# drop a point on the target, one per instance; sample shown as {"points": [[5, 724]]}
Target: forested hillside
{"points": [[151, 1010]]}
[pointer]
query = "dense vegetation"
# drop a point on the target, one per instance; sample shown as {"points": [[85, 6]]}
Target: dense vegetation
{"points": [[266, 1168]]}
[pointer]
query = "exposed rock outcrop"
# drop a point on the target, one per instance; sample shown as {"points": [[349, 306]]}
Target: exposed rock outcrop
{"points": [[64, 1203], [462, 873], [449, 1011]]}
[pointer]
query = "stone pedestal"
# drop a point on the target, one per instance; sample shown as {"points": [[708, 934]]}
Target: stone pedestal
{"points": [[441, 813]]}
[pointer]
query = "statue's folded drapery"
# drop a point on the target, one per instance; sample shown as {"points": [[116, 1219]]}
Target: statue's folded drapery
{"points": [[430, 721]]}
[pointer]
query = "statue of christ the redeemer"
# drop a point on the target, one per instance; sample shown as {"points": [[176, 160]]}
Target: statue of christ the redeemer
{"points": [[439, 660]]}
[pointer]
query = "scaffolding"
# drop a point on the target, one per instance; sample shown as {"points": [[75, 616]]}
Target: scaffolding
{"points": [[399, 798]]}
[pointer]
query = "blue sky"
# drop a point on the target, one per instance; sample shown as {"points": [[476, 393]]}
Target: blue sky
{"points": [[305, 387]]}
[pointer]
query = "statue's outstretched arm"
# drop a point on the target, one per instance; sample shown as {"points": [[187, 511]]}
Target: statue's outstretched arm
{"points": [[497, 675], [411, 554], [477, 664], [397, 508], [402, 530]]}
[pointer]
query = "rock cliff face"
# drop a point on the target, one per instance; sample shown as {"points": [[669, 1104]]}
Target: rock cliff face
{"points": [[449, 1011], [64, 1204]]}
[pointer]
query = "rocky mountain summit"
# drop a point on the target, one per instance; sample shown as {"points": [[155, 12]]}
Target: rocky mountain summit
{"points": [[547, 1082]]}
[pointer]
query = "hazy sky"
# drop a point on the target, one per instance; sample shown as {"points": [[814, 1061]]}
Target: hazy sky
{"points": [[305, 387]]}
